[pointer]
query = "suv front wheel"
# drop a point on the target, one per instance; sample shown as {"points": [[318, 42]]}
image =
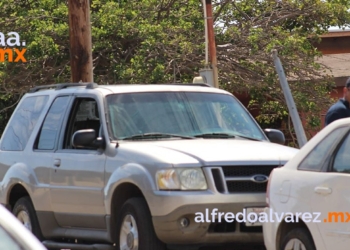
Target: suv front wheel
{"points": [[135, 228], [25, 213]]}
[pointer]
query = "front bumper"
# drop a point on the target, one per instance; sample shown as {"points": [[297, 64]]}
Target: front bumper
{"points": [[169, 207], [168, 228]]}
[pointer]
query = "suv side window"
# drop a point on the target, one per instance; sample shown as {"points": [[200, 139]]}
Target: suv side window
{"points": [[23, 122], [84, 115], [342, 157], [315, 159], [48, 134]]}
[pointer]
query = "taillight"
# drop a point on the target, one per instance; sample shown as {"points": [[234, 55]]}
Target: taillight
{"points": [[268, 189]]}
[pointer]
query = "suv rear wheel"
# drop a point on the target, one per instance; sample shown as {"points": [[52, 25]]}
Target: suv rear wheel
{"points": [[135, 228], [298, 239], [24, 211]]}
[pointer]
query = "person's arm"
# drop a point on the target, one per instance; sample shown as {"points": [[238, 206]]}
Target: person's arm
{"points": [[335, 115]]}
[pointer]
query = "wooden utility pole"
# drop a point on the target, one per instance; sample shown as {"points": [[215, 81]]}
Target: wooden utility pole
{"points": [[211, 41], [80, 41]]}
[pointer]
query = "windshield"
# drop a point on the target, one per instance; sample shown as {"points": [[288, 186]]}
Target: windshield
{"points": [[180, 113]]}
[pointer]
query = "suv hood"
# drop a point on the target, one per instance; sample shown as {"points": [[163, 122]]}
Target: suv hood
{"points": [[206, 152]]}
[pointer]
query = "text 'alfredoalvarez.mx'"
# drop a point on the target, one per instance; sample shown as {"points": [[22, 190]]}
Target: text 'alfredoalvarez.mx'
{"points": [[262, 217]]}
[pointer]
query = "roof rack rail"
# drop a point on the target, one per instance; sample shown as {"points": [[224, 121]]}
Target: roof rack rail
{"points": [[193, 84], [186, 84], [60, 86]]}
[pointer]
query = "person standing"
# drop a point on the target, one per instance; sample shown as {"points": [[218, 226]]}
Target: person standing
{"points": [[341, 108]]}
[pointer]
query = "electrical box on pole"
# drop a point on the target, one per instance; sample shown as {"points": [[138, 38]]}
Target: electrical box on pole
{"points": [[208, 76]]}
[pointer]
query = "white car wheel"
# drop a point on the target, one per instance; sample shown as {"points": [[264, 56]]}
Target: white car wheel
{"points": [[298, 239], [295, 244]]}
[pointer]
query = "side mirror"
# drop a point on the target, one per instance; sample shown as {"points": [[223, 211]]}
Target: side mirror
{"points": [[275, 135], [86, 138]]}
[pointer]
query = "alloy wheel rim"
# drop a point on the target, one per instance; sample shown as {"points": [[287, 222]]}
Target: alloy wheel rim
{"points": [[129, 236], [24, 218], [295, 244]]}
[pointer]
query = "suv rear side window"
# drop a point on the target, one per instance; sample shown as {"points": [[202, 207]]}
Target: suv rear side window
{"points": [[22, 123], [52, 124], [316, 158]]}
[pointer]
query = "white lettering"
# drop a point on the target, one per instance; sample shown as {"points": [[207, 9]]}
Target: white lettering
{"points": [[2, 39], [220, 215], [290, 216], [200, 219], [317, 215], [231, 215], [271, 215], [306, 217], [207, 215], [279, 219], [241, 217], [213, 214], [297, 215], [16, 39], [264, 216], [255, 217]]}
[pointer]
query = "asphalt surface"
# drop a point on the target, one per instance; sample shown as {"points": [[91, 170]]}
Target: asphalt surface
{"points": [[231, 247], [235, 247]]}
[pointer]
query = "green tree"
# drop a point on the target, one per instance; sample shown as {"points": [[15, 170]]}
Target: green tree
{"points": [[248, 32], [152, 41]]}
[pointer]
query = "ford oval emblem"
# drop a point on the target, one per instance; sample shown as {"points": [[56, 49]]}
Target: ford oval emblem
{"points": [[259, 178]]}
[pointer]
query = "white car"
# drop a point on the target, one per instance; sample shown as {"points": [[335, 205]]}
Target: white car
{"points": [[314, 187], [14, 235]]}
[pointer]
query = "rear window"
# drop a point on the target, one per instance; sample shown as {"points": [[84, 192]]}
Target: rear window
{"points": [[22, 123]]}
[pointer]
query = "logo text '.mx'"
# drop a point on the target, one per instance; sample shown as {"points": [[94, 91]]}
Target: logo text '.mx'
{"points": [[13, 40]]}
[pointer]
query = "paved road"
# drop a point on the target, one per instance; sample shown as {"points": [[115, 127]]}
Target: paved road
{"points": [[229, 247], [235, 248], [232, 247]]}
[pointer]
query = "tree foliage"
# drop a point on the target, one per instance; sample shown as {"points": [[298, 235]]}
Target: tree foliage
{"points": [[251, 29], [158, 41]]}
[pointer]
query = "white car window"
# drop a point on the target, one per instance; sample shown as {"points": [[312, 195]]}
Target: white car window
{"points": [[315, 159], [342, 158], [7, 242]]}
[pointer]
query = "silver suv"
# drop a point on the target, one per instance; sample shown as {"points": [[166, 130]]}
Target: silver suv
{"points": [[86, 166]]}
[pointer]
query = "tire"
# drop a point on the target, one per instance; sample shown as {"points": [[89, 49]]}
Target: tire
{"points": [[136, 211], [24, 211], [300, 235]]}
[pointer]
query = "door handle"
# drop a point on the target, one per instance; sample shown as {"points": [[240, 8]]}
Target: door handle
{"points": [[57, 163], [323, 190]]}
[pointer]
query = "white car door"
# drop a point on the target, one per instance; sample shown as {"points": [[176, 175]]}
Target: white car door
{"points": [[331, 191]]}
